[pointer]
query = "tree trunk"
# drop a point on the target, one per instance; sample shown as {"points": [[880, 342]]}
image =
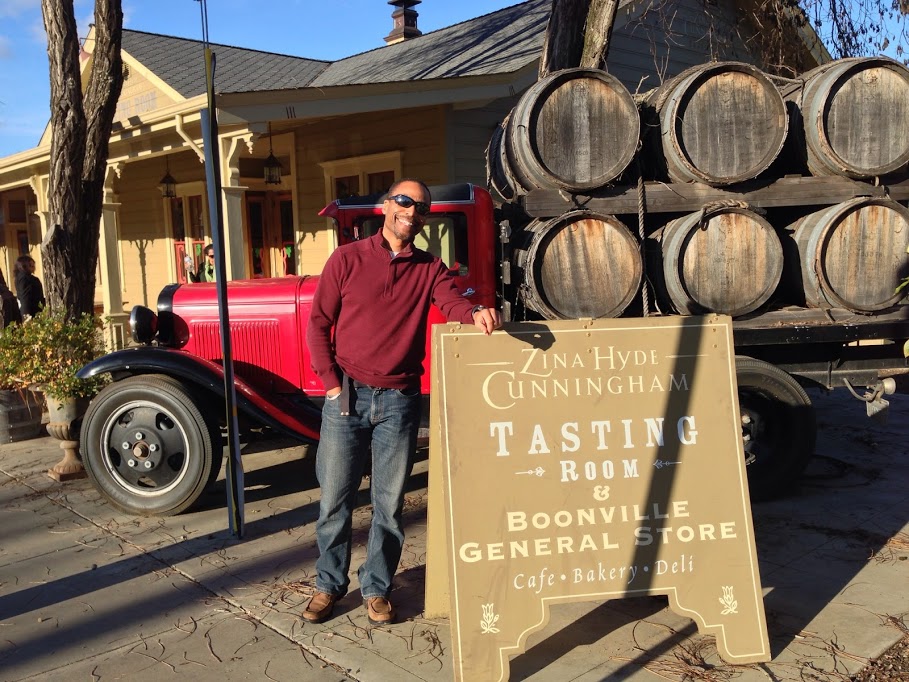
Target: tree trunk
{"points": [[564, 41], [597, 36], [578, 34], [80, 130]]}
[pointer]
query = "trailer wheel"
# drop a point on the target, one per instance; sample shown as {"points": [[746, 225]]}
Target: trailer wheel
{"points": [[778, 427], [147, 447]]}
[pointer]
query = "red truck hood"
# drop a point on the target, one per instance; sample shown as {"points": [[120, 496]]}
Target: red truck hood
{"points": [[268, 319]]}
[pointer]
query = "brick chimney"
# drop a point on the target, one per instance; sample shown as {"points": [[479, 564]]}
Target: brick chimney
{"points": [[405, 21]]}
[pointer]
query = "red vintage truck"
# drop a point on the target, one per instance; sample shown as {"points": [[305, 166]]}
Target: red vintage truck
{"points": [[151, 441]]}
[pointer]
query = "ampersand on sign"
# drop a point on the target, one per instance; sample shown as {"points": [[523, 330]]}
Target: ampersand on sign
{"points": [[601, 492]]}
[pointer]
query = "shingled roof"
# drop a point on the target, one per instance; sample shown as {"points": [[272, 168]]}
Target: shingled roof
{"points": [[498, 42], [178, 62]]}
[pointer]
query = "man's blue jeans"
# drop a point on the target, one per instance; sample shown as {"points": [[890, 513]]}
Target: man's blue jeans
{"points": [[389, 420]]}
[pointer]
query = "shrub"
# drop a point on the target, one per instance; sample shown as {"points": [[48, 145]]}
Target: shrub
{"points": [[48, 350]]}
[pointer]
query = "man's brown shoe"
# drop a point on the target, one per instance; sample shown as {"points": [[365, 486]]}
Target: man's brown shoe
{"points": [[320, 607], [379, 611]]}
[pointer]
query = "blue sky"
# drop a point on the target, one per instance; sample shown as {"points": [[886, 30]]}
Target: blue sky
{"points": [[305, 28]]}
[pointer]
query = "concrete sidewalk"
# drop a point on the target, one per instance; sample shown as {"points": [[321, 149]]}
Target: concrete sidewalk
{"points": [[89, 593]]}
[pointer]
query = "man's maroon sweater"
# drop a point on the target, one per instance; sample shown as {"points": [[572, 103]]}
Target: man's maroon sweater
{"points": [[378, 306]]}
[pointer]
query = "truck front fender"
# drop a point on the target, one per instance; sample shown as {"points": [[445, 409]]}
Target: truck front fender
{"points": [[302, 421]]}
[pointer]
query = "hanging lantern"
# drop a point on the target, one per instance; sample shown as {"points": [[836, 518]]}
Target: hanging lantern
{"points": [[272, 168], [167, 184]]}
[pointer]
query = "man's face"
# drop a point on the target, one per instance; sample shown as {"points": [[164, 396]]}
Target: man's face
{"points": [[405, 223]]}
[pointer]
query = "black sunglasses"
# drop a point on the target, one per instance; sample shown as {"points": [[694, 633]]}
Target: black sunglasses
{"points": [[210, 254], [405, 201]]}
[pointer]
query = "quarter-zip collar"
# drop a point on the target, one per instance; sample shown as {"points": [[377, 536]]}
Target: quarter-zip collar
{"points": [[393, 263]]}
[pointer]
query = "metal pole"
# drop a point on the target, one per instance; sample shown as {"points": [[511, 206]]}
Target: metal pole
{"points": [[234, 465]]}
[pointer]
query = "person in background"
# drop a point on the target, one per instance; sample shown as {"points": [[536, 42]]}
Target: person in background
{"points": [[206, 271], [28, 287], [375, 293], [9, 304]]}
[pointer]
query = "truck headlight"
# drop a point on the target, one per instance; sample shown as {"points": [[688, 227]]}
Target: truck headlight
{"points": [[143, 324]]}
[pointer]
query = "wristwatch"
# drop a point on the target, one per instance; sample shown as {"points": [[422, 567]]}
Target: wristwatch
{"points": [[476, 309]]}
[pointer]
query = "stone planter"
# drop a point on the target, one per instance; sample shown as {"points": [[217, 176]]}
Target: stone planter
{"points": [[63, 425], [20, 415]]}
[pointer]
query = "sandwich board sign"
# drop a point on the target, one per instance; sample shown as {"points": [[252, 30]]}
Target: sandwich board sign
{"points": [[588, 460]]}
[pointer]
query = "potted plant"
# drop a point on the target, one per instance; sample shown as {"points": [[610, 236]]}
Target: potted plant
{"points": [[54, 348], [20, 409]]}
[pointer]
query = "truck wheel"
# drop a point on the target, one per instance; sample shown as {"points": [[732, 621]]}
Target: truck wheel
{"points": [[778, 427], [147, 447]]}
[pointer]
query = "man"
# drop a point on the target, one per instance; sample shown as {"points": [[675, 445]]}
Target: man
{"points": [[376, 293]]}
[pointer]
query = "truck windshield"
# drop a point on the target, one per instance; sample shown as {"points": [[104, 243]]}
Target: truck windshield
{"points": [[444, 235]]}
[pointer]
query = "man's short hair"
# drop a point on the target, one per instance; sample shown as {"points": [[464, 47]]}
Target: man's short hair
{"points": [[394, 186]]}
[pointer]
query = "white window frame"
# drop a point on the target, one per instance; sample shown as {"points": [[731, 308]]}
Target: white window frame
{"points": [[361, 166]]}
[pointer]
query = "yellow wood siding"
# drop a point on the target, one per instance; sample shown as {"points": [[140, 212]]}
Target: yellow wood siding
{"points": [[417, 133], [139, 96], [145, 244]]}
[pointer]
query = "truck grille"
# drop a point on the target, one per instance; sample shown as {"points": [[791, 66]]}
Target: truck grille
{"points": [[255, 347]]}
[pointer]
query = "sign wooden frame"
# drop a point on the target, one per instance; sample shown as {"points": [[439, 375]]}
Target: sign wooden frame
{"points": [[588, 460]]}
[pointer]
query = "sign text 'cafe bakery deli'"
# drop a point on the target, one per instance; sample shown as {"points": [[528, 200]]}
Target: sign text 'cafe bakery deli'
{"points": [[584, 461]]}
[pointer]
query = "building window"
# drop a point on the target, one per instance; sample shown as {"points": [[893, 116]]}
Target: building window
{"points": [[17, 212], [359, 175]]}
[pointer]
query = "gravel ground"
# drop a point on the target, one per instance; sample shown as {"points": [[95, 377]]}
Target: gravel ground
{"points": [[892, 666]]}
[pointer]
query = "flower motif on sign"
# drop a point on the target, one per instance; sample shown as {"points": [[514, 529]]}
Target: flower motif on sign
{"points": [[730, 605], [490, 618]]}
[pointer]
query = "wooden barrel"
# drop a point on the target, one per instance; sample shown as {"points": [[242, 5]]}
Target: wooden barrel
{"points": [[581, 264], [576, 129], [727, 260], [853, 254], [855, 117], [498, 173], [720, 123]]}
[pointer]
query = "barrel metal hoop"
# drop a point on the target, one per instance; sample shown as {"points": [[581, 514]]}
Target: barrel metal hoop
{"points": [[710, 209]]}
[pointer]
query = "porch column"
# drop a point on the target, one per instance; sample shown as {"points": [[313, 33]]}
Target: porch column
{"points": [[234, 244], [232, 203], [117, 326], [38, 183]]}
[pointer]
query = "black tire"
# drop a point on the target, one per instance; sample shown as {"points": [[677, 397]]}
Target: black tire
{"points": [[778, 427], [147, 447]]}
